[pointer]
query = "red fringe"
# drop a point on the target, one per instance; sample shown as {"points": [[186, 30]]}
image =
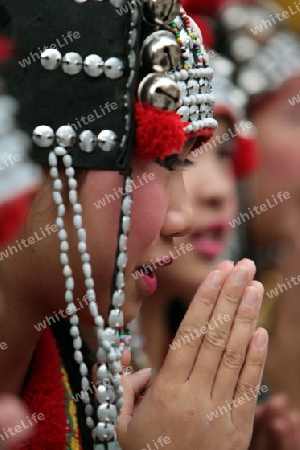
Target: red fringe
{"points": [[45, 393]]}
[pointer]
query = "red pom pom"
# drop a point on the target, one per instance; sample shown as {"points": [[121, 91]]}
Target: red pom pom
{"points": [[246, 156], [208, 8], [159, 133], [7, 49]]}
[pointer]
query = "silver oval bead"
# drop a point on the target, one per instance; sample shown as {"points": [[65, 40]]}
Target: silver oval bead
{"points": [[87, 141], [118, 299], [123, 243], [160, 52], [159, 91], [93, 66], [72, 63], [126, 205], [65, 136], [113, 68], [89, 410], [50, 59], [126, 224], [120, 282], [116, 318], [160, 12], [107, 140], [60, 151], [102, 372], [122, 260], [43, 136]]}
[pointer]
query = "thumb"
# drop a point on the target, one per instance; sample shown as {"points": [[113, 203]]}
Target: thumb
{"points": [[133, 385]]}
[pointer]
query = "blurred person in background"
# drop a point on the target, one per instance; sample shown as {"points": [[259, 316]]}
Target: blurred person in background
{"points": [[18, 182], [178, 281], [267, 61], [211, 185]]}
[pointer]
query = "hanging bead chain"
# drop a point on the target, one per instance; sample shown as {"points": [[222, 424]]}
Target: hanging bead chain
{"points": [[109, 351]]}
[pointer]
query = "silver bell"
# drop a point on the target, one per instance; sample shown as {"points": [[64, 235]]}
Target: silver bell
{"points": [[159, 91], [160, 52], [160, 12]]}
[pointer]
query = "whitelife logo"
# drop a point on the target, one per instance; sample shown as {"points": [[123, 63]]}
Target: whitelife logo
{"points": [[259, 209], [59, 43]]}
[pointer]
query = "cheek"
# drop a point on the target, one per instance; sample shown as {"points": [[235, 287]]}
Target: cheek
{"points": [[101, 210], [148, 212]]}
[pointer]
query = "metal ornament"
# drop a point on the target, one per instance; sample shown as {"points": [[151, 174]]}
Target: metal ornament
{"points": [[161, 12], [51, 59], [93, 65], [87, 141], [107, 140], [43, 136], [160, 91], [160, 52], [72, 63]]}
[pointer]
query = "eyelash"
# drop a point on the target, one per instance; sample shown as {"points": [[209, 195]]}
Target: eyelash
{"points": [[172, 162]]}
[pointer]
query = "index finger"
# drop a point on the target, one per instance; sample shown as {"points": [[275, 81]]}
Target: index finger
{"points": [[184, 348]]}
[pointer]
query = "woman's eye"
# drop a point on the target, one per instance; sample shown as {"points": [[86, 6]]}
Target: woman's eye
{"points": [[173, 162]]}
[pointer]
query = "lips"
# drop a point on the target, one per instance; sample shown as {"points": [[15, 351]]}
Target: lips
{"points": [[211, 240], [147, 275]]}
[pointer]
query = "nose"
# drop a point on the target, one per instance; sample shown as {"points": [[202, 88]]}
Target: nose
{"points": [[179, 217]]}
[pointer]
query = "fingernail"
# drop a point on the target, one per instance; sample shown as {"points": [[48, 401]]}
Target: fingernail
{"points": [[241, 275], [260, 339], [215, 279], [250, 297]]}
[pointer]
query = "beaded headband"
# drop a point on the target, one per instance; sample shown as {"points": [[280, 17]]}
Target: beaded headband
{"points": [[264, 52], [149, 62], [72, 79]]}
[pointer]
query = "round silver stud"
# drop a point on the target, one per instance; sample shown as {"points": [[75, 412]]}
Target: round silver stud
{"points": [[159, 91], [107, 140], [43, 136], [50, 59], [65, 136], [113, 68], [93, 66], [161, 52], [87, 141], [72, 63]]}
